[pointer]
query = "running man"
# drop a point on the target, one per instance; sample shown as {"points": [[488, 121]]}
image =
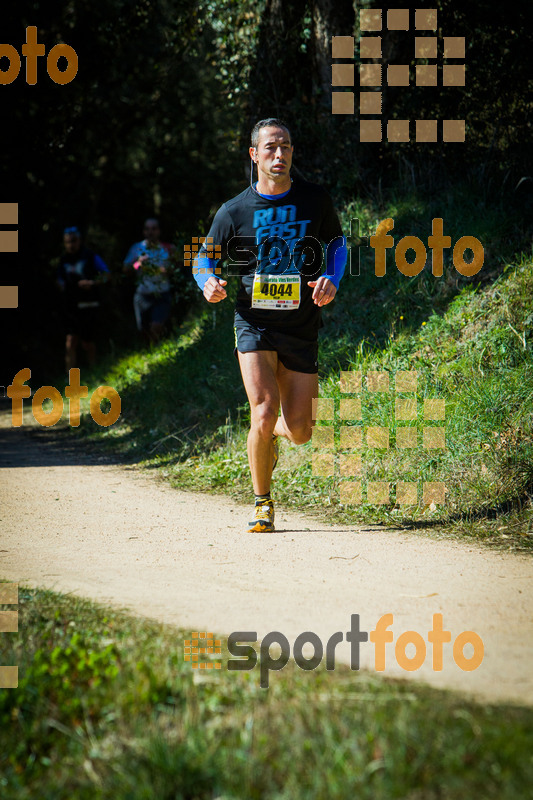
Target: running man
{"points": [[279, 225], [152, 302], [80, 275]]}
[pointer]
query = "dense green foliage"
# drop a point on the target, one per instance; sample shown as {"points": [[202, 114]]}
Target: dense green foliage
{"points": [[158, 118], [157, 121], [107, 708], [469, 341]]}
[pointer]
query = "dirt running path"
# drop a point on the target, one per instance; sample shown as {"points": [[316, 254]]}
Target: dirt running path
{"points": [[112, 533]]}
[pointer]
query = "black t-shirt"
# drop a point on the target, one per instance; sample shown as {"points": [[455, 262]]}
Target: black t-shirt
{"points": [[74, 267], [277, 237]]}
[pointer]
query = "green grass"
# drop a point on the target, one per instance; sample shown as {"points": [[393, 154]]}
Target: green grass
{"points": [[107, 708], [185, 412], [472, 355]]}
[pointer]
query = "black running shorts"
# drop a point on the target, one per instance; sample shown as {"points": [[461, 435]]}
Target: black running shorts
{"points": [[295, 354]]}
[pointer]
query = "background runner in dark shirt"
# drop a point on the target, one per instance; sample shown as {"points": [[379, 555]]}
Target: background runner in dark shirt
{"points": [[79, 276]]}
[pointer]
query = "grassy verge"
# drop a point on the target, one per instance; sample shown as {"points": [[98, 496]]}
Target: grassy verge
{"points": [[185, 412], [107, 708]]}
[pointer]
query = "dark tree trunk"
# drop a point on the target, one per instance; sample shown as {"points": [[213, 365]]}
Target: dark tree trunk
{"points": [[330, 18], [292, 79], [283, 70]]}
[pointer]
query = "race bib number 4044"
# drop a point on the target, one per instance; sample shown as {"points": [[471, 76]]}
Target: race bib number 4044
{"points": [[276, 292]]}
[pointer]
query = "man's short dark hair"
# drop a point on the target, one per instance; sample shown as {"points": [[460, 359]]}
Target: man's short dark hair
{"points": [[270, 122]]}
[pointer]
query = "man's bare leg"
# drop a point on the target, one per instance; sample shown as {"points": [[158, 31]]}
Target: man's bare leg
{"points": [[268, 383], [90, 351], [71, 347], [155, 332], [259, 374], [297, 390]]}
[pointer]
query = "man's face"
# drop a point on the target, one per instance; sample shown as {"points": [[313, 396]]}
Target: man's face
{"points": [[71, 243], [151, 231], [273, 154]]}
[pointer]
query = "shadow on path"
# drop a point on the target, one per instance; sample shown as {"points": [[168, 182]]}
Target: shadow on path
{"points": [[49, 447]]}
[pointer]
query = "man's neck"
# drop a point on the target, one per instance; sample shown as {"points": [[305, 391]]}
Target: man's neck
{"points": [[266, 186]]}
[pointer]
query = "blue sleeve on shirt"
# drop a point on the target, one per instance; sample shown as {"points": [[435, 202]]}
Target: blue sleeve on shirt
{"points": [[99, 265], [209, 265], [336, 258], [220, 232], [132, 254]]}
